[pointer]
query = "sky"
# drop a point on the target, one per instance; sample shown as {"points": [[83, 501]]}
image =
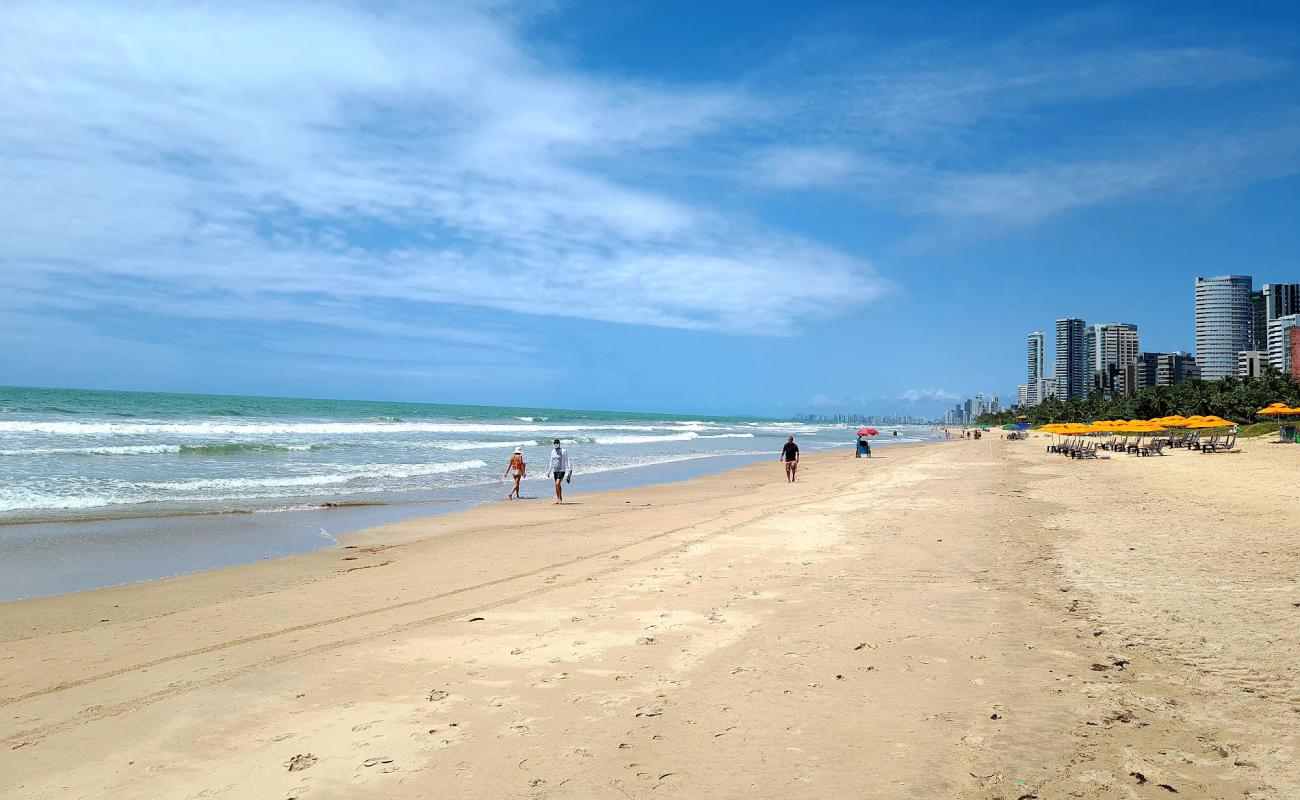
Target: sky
{"points": [[715, 208]]}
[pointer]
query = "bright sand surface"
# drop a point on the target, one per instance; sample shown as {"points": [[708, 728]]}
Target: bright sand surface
{"points": [[964, 619]]}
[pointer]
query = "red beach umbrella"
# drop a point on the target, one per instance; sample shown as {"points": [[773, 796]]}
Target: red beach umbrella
{"points": [[867, 431]]}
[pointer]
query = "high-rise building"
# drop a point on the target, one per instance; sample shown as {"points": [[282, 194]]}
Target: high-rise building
{"points": [[1037, 368], [1224, 323], [1294, 335], [1251, 363], [1279, 343], [1109, 351], [1022, 396], [1273, 300], [1070, 369], [1164, 369]]}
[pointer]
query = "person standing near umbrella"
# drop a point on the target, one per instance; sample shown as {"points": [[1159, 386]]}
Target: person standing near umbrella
{"points": [[790, 458], [864, 447]]}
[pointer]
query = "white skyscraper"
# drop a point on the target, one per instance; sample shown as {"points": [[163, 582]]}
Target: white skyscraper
{"points": [[1110, 352], [1223, 323], [1279, 343], [1037, 371]]}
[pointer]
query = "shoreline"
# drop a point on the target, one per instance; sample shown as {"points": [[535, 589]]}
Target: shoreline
{"points": [[188, 544], [960, 619]]}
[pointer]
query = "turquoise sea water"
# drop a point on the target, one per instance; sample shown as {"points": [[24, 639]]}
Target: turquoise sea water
{"points": [[104, 487]]}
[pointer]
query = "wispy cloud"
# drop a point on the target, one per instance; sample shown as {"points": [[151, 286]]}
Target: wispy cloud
{"points": [[259, 157], [991, 136], [927, 394]]}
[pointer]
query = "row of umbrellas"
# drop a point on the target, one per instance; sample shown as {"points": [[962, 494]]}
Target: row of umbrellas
{"points": [[1139, 426], [1160, 424]]}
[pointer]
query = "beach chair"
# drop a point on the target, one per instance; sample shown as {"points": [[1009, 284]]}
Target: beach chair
{"points": [[1153, 448], [1221, 444], [1208, 444], [1192, 441]]}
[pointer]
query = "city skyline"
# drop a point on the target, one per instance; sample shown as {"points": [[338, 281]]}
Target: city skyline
{"points": [[1240, 332]]}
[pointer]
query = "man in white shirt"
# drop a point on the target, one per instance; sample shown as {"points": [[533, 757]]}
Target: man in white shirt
{"points": [[560, 470]]}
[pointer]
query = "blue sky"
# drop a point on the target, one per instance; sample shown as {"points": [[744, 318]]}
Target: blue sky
{"points": [[761, 208]]}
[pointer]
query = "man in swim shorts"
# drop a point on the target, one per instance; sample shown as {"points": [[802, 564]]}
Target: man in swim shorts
{"points": [[790, 458], [560, 470]]}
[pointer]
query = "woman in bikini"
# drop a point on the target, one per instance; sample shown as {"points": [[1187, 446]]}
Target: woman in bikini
{"points": [[515, 469]]}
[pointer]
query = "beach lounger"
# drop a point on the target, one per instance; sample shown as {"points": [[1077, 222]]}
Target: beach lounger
{"points": [[1220, 444], [1153, 448]]}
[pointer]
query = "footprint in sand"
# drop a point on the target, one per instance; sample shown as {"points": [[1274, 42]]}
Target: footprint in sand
{"points": [[300, 762]]}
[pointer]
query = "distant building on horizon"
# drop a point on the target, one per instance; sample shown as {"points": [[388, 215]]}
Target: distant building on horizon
{"points": [[1224, 323], [1110, 352], [1022, 396], [1070, 366], [1037, 369]]}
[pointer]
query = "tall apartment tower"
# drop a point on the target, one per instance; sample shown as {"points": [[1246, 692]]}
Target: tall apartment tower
{"points": [[1272, 301], [1110, 351], [1224, 324], [1037, 368], [1279, 343], [1070, 367]]}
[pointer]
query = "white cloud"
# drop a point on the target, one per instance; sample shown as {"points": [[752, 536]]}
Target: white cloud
{"points": [[994, 136], [256, 154], [927, 394]]}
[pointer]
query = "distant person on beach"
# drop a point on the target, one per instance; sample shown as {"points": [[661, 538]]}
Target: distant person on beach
{"points": [[560, 470], [515, 469], [864, 448], [790, 457]]}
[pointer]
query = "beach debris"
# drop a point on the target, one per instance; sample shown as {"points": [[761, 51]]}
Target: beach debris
{"points": [[1139, 777], [649, 711], [371, 762], [1100, 667], [1120, 663], [476, 619], [995, 716], [1167, 787], [300, 762], [438, 694], [646, 640]]}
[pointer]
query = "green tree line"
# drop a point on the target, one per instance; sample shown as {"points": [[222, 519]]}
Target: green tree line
{"points": [[1230, 398]]}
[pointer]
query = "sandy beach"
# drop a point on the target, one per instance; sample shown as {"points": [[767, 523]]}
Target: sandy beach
{"points": [[967, 619]]}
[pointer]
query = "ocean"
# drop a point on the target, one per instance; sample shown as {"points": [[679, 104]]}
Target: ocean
{"points": [[113, 468]]}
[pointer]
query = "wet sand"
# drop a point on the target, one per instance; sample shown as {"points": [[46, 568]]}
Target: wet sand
{"points": [[964, 619]]}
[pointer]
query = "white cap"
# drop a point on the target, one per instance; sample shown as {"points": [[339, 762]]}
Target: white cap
{"points": [[519, 450]]}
